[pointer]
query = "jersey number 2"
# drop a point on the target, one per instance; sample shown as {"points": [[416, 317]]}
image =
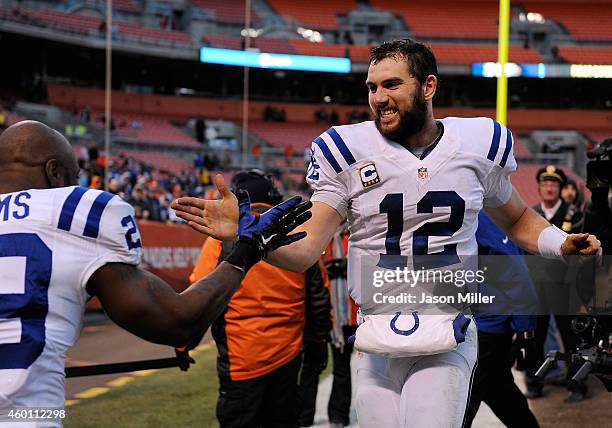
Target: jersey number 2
{"points": [[393, 206], [26, 264]]}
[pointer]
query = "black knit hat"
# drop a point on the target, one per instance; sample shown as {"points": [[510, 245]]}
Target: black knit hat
{"points": [[259, 185]]}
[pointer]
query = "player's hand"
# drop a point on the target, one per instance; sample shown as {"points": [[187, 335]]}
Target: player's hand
{"points": [[270, 229], [216, 218], [258, 235], [583, 244]]}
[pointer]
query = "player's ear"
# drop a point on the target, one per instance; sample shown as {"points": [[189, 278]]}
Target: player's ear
{"points": [[54, 173], [429, 87]]}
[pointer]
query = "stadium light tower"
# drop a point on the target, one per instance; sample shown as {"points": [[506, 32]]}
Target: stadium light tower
{"points": [[502, 59], [108, 88]]}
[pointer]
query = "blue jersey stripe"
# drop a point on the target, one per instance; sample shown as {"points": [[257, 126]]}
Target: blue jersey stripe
{"points": [[495, 141], [69, 207], [95, 214], [339, 142], [328, 155], [504, 158]]}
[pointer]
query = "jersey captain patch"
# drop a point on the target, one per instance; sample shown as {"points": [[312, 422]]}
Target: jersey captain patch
{"points": [[368, 175]]}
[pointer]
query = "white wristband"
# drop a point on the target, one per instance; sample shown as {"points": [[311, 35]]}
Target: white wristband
{"points": [[550, 241]]}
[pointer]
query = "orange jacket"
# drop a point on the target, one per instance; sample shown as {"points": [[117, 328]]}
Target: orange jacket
{"points": [[263, 326]]}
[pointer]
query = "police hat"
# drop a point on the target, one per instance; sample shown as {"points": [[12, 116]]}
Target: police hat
{"points": [[259, 185], [551, 173]]}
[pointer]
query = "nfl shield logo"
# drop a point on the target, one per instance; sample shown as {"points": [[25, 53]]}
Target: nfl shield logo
{"points": [[422, 173]]}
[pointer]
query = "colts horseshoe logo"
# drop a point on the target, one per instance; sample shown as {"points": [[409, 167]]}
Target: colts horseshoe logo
{"points": [[404, 332]]}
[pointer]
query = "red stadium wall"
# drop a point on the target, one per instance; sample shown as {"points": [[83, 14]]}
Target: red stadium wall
{"points": [[177, 108], [170, 252]]}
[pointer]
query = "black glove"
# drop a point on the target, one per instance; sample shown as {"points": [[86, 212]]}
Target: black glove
{"points": [[258, 235], [183, 358], [524, 351]]}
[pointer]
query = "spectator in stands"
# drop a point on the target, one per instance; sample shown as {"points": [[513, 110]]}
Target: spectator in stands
{"points": [[3, 119], [211, 134], [256, 152], [140, 202], [259, 337], [550, 279], [269, 113], [321, 116], [227, 162], [571, 194], [86, 114], [288, 153], [200, 126], [334, 119]]}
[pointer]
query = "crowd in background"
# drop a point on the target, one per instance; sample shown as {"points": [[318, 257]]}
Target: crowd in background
{"points": [[150, 190]]}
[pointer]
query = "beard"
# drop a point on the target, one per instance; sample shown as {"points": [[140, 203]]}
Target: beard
{"points": [[410, 122]]}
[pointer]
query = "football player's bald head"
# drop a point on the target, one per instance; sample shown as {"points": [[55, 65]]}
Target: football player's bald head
{"points": [[33, 155]]}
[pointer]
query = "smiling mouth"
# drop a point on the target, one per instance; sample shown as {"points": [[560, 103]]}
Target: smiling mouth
{"points": [[387, 114]]}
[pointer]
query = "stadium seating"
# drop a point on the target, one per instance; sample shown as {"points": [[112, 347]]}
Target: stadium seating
{"points": [[65, 21], [264, 44], [159, 161], [597, 136], [181, 109], [146, 34], [126, 6], [282, 134], [455, 53], [227, 11], [449, 19], [315, 14], [585, 20], [305, 47], [90, 26], [150, 129], [446, 53], [586, 55]]}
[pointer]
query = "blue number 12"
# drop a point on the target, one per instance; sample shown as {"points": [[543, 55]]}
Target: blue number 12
{"points": [[393, 206]]}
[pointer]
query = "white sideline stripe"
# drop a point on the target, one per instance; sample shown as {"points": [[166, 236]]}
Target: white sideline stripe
{"points": [[12, 275]]}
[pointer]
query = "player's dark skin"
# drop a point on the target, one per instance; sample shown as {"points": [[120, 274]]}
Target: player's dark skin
{"points": [[34, 156]]}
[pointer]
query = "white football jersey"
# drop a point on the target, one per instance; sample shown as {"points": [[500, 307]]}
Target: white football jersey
{"points": [[401, 207], [51, 242]]}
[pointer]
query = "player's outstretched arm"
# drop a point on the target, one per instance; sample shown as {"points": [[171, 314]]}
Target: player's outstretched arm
{"points": [[321, 228], [145, 305], [534, 233], [219, 219], [148, 307]]}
